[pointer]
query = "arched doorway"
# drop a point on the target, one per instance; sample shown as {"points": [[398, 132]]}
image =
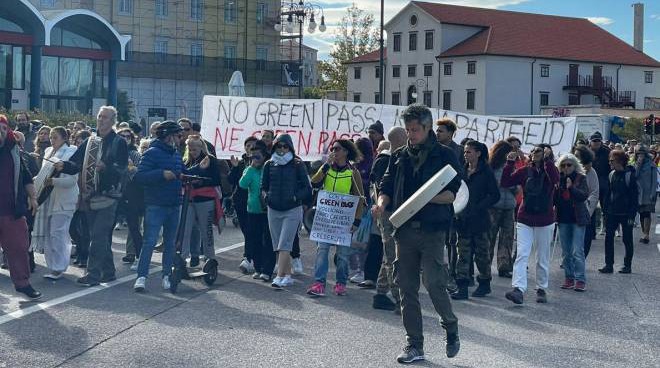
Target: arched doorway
{"points": [[412, 95]]}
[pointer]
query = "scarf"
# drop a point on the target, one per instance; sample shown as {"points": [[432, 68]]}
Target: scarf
{"points": [[419, 153], [281, 160]]}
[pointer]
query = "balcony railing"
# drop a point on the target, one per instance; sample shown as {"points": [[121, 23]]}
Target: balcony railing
{"points": [[198, 68], [587, 81]]}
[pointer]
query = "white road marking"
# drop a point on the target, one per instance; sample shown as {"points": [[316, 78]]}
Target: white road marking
{"points": [[657, 229], [79, 294]]}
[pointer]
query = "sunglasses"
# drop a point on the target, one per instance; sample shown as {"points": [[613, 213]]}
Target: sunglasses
{"points": [[281, 146], [537, 150], [566, 165], [125, 136], [335, 149], [187, 129]]}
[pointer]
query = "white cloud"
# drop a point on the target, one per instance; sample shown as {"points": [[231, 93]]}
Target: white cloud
{"points": [[655, 16], [601, 21]]}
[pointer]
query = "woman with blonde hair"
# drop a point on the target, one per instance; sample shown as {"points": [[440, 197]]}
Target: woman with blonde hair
{"points": [[41, 143], [573, 218]]}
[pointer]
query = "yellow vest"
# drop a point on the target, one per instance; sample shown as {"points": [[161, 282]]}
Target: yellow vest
{"points": [[338, 182]]}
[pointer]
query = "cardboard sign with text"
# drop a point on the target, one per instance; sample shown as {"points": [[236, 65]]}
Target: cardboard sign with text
{"points": [[333, 218], [315, 124]]}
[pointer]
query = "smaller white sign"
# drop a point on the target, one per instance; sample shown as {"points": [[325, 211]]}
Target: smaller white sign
{"points": [[334, 217]]}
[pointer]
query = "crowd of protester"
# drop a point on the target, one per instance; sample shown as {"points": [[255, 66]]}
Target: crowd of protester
{"points": [[529, 199]]}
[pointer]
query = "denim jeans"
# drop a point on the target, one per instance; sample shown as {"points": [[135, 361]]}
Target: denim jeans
{"points": [[155, 218], [321, 264], [572, 245]]}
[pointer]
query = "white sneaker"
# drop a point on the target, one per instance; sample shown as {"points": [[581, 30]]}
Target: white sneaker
{"points": [[358, 277], [53, 275], [246, 267], [277, 282], [139, 284], [287, 280], [135, 264], [297, 266], [166, 282]]}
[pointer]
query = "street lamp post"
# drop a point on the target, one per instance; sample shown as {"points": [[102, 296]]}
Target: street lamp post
{"points": [[300, 12]]}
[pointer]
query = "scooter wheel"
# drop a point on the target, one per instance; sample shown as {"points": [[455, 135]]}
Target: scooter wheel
{"points": [[211, 270], [178, 270]]}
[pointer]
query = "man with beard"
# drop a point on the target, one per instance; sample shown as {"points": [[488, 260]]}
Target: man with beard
{"points": [[24, 126]]}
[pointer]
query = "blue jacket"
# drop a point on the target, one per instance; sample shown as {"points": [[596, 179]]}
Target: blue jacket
{"points": [[158, 191]]}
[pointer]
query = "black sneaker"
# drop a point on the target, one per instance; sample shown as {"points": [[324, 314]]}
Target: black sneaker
{"points": [[383, 302], [410, 354], [625, 269], [541, 296], [505, 274], [129, 259], [29, 292], [453, 344], [606, 269], [86, 281], [515, 295], [194, 261]]}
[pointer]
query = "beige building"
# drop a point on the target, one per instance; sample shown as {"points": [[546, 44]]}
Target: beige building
{"points": [[181, 50]]}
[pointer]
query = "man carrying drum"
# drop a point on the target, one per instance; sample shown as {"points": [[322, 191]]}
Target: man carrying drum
{"points": [[419, 241], [106, 170]]}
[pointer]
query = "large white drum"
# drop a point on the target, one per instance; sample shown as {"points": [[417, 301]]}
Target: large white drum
{"points": [[462, 198], [422, 196]]}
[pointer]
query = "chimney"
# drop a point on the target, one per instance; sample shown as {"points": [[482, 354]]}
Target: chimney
{"points": [[639, 27]]}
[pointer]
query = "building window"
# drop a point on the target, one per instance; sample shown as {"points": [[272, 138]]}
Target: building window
{"points": [[262, 12], [412, 41], [397, 42], [447, 68], [545, 98], [196, 53], [545, 71], [396, 71], [648, 77], [125, 6], [196, 9], [230, 11], [573, 99], [377, 72], [48, 3], [160, 49], [428, 70], [262, 56], [428, 40], [377, 98], [472, 67], [161, 8], [396, 98], [412, 71], [428, 95], [470, 99], [357, 73], [230, 56], [446, 100], [357, 97]]}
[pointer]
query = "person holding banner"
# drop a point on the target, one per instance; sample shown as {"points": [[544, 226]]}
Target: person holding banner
{"points": [[258, 245], [286, 185], [419, 241], [337, 175]]}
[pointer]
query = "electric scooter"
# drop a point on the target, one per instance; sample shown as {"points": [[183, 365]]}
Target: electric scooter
{"points": [[209, 272]]}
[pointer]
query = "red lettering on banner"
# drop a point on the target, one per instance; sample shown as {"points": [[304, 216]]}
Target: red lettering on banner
{"points": [[304, 144], [226, 140], [235, 134]]}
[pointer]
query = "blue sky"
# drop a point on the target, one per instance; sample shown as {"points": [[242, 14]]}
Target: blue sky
{"points": [[615, 16]]}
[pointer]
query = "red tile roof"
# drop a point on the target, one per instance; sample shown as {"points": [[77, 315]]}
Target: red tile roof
{"points": [[535, 35], [370, 57]]}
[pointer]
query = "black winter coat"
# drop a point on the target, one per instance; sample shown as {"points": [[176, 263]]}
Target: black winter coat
{"points": [[484, 193], [287, 186]]}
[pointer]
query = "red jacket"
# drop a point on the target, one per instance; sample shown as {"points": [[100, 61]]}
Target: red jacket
{"points": [[519, 177]]}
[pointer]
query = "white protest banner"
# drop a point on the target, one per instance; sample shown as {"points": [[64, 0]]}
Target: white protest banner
{"points": [[333, 218], [315, 124]]}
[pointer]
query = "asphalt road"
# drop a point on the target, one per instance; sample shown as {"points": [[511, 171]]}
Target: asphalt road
{"points": [[241, 322]]}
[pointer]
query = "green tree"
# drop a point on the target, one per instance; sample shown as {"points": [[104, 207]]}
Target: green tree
{"points": [[313, 93], [357, 35], [633, 128], [125, 107]]}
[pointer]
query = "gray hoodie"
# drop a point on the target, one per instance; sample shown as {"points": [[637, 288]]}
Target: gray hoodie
{"points": [[507, 195]]}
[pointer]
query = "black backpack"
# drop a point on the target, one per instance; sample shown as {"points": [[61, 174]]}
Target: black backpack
{"points": [[535, 197]]}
